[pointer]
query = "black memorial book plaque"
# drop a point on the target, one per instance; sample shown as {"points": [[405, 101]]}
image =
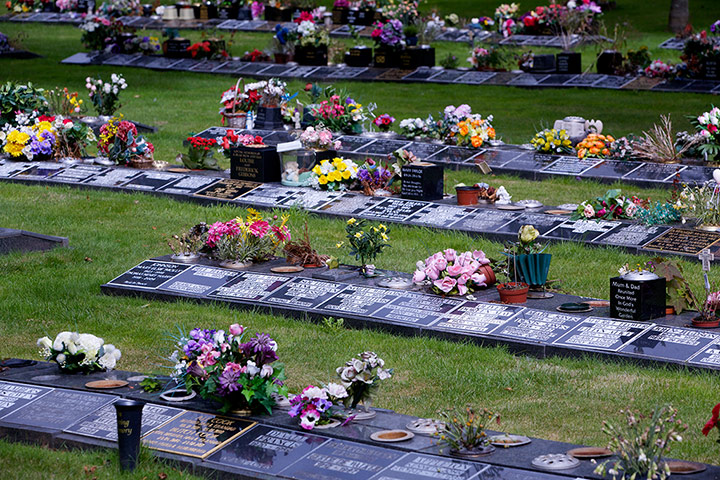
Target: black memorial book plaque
{"points": [[249, 286], [304, 293], [195, 434], [58, 409], [357, 300], [189, 185], [537, 326], [112, 178], [417, 309], [227, 189], [485, 220], [40, 172], [683, 241], [672, 343], [265, 449], [198, 280], [309, 199], [478, 318], [708, 356], [149, 275], [583, 230], [342, 460], [102, 423], [439, 215], [16, 395], [152, 181], [601, 334], [78, 173], [393, 209], [415, 466]]}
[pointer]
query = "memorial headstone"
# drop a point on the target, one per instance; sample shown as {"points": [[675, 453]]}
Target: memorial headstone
{"points": [[422, 181], [637, 296], [255, 164]]}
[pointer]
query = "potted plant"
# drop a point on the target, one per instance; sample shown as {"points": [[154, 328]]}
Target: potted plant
{"points": [[641, 444], [121, 143], [533, 265], [185, 247], [317, 406], [200, 155], [361, 378], [512, 290], [79, 352], [463, 431], [453, 273], [366, 243]]}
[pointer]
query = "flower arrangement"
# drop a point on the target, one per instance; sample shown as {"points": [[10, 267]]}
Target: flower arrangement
{"points": [[506, 11], [594, 145], [282, 40], [65, 5], [361, 377], [474, 131], [708, 125], [79, 352], [611, 206], [374, 177], [20, 6], [231, 140], [405, 11], [623, 148], [62, 102], [253, 239], [319, 138], [255, 55], [310, 35], [642, 444], [257, 9], [453, 273], [99, 32], [32, 142], [221, 366], [366, 241], [417, 127], [384, 122], [72, 137], [147, 45], [315, 405], [713, 422], [200, 154], [659, 69], [239, 99], [105, 96], [337, 174], [20, 104], [463, 430], [340, 115], [451, 117], [210, 49], [552, 140], [702, 203], [271, 91], [388, 34], [120, 141], [189, 242], [485, 58]]}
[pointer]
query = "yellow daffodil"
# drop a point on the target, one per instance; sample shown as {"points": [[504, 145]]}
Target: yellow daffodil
{"points": [[317, 170]]}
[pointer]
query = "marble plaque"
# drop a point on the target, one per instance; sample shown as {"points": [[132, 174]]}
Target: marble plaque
{"points": [[658, 172]]}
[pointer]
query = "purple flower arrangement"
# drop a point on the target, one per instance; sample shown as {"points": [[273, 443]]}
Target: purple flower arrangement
{"points": [[315, 406], [389, 34]]}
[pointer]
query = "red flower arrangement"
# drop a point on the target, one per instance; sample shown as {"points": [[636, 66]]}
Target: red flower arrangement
{"points": [[713, 422], [304, 17], [200, 143]]}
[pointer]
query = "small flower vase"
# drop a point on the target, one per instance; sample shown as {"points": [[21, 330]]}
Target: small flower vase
{"points": [[234, 264], [368, 270], [363, 410]]}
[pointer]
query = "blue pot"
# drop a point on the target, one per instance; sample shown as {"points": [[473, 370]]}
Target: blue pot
{"points": [[533, 268]]}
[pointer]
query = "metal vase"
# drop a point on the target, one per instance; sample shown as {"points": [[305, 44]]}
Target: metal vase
{"points": [[129, 425], [534, 268]]}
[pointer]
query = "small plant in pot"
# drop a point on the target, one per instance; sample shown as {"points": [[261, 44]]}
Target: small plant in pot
{"points": [[464, 433], [366, 243], [185, 247]]}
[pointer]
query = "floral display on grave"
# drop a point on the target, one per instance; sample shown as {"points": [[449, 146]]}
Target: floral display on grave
{"points": [[79, 352], [362, 376], [21, 104], [105, 95], [365, 242], [551, 140], [453, 273], [595, 145], [462, 430], [318, 406], [121, 143], [236, 369], [231, 140], [187, 246], [340, 113], [200, 155], [383, 122], [319, 138], [336, 174], [237, 101], [611, 206], [376, 178]]}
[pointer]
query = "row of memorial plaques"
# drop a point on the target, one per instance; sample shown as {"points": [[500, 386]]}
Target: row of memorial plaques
{"points": [[424, 311]]}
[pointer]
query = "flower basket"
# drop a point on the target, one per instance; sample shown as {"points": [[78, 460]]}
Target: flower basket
{"points": [[141, 162], [534, 268], [236, 119], [513, 292]]}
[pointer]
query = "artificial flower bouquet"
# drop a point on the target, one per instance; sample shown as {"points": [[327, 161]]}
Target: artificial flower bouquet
{"points": [[272, 91], [552, 140], [659, 69], [612, 206], [473, 131], [708, 126], [594, 145], [34, 142], [316, 406], [389, 34], [99, 32], [463, 430], [63, 102], [71, 137], [121, 143], [221, 366], [340, 114], [338, 174], [308, 34], [453, 273], [105, 96], [361, 377], [319, 138], [79, 352], [384, 122], [200, 155], [253, 238], [374, 176], [406, 11], [485, 58], [210, 49], [417, 127]]}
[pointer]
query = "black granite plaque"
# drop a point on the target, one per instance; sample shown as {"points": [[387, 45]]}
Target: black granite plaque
{"points": [[478, 318], [304, 293], [393, 209], [112, 178], [309, 199], [632, 234], [524, 162], [673, 43], [637, 300], [675, 84], [683, 241], [347, 72], [198, 280], [215, 132], [475, 78], [155, 62], [359, 300], [570, 166], [601, 334], [149, 275], [420, 74], [121, 59], [448, 76], [708, 356], [542, 222], [497, 158], [102, 423], [207, 66], [701, 86], [184, 64], [195, 434], [255, 68], [583, 230], [152, 181], [422, 181], [82, 58], [40, 172], [557, 80], [249, 286], [584, 80], [15, 395], [694, 174], [613, 82], [503, 473], [188, 185], [78, 173], [268, 195], [486, 220], [10, 169], [266, 450], [611, 169], [227, 189], [453, 155], [538, 326], [439, 215], [417, 309], [672, 343], [342, 460], [424, 150], [659, 172], [415, 466], [303, 71], [350, 143], [58, 409], [350, 204], [527, 80], [383, 146], [255, 164]]}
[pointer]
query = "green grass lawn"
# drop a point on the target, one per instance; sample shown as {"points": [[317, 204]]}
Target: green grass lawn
{"points": [[559, 399]]}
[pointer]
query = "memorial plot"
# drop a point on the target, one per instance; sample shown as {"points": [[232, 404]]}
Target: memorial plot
{"points": [[265, 449], [695, 175], [478, 318], [15, 395], [485, 220], [152, 181], [424, 150], [475, 78], [497, 158], [309, 199], [350, 204], [350, 143], [112, 178], [708, 356], [188, 185], [58, 409], [582, 230], [267, 195], [632, 234], [149, 275], [40, 172], [383, 146], [448, 76], [586, 80], [78, 173], [227, 189], [683, 241], [417, 309], [357, 300], [198, 280], [304, 293], [672, 343], [602, 334], [611, 169], [102, 423], [10, 169], [453, 155], [658, 172], [195, 434], [570, 166], [414, 466], [440, 216], [525, 162], [393, 209], [537, 326], [542, 222]]}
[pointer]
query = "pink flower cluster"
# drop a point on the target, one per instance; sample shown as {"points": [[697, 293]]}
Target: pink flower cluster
{"points": [[453, 273], [219, 229], [331, 109]]}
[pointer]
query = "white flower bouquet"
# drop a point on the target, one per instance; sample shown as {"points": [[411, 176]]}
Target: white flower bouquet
{"points": [[361, 377], [79, 352]]}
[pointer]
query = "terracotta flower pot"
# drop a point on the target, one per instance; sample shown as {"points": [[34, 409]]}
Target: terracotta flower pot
{"points": [[669, 310], [467, 195], [698, 322], [490, 278], [513, 292]]}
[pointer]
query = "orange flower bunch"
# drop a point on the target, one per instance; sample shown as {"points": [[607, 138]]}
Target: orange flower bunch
{"points": [[473, 131], [594, 145]]}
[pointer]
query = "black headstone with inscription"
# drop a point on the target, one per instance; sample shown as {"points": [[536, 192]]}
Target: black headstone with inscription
{"points": [[633, 297], [255, 164], [422, 181]]}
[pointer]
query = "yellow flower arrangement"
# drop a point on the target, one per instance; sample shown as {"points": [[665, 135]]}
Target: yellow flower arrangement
{"points": [[552, 141], [15, 142], [337, 174]]}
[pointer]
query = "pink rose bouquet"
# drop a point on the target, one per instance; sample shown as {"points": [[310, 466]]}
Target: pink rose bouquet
{"points": [[453, 273]]}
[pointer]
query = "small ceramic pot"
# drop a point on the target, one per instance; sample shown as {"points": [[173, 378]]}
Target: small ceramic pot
{"points": [[508, 294]]}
